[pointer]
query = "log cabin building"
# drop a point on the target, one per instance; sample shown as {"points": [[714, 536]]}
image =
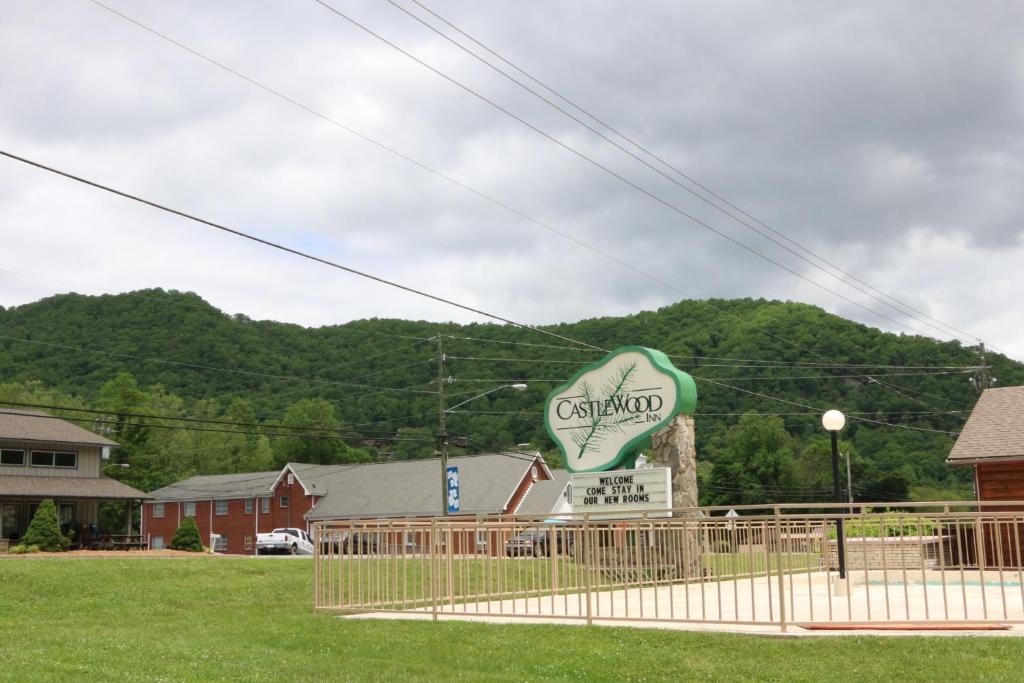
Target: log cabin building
{"points": [[992, 443]]}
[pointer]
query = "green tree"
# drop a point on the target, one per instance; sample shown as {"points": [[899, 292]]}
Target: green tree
{"points": [[317, 437], [187, 537], [44, 529], [756, 465]]}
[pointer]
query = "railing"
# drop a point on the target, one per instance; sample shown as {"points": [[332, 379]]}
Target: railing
{"points": [[777, 565]]}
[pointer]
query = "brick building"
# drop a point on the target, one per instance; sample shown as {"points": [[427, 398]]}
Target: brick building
{"points": [[236, 507]]}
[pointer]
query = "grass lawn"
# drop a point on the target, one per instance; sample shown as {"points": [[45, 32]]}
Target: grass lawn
{"points": [[242, 619]]}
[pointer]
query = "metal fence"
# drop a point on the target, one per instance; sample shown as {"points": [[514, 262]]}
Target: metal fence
{"points": [[922, 562]]}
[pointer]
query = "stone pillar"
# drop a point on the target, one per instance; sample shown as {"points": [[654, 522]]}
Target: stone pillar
{"points": [[675, 447]]}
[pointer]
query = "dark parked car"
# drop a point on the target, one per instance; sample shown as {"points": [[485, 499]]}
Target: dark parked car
{"points": [[359, 542], [536, 542]]}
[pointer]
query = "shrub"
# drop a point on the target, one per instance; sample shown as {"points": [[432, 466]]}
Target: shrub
{"points": [[888, 526], [187, 537], [44, 529], [18, 549]]}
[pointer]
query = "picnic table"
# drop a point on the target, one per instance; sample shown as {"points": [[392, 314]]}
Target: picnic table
{"points": [[120, 542]]}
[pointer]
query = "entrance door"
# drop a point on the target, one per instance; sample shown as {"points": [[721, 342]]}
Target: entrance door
{"points": [[10, 520]]}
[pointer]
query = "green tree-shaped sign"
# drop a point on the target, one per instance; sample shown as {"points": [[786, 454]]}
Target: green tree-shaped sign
{"points": [[609, 409]]}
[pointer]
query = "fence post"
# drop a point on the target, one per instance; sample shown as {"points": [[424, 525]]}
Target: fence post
{"points": [[778, 568], [587, 557], [432, 546]]}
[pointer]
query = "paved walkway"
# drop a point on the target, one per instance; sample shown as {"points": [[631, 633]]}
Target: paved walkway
{"points": [[752, 605]]}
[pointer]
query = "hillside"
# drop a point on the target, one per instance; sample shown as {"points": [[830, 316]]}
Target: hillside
{"points": [[375, 376]]}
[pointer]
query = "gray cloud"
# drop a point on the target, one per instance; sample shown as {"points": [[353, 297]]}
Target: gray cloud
{"points": [[881, 136]]}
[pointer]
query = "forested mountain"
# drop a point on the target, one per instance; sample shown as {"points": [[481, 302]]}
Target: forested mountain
{"points": [[252, 386]]}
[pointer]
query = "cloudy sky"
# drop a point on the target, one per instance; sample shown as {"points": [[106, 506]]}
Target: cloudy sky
{"points": [[887, 138]]}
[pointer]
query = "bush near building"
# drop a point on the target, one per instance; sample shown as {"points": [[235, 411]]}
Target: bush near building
{"points": [[187, 537], [44, 530]]}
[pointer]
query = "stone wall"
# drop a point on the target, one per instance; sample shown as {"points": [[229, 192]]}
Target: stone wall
{"points": [[899, 552]]}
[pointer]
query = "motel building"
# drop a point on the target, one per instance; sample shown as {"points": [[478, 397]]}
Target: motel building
{"points": [[43, 457], [233, 508]]}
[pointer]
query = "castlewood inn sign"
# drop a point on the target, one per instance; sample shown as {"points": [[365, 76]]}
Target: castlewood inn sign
{"points": [[607, 412]]}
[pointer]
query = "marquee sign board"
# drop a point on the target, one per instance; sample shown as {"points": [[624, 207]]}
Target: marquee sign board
{"points": [[609, 409], [622, 494]]}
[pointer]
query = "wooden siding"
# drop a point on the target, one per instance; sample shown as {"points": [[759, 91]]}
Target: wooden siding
{"points": [[1001, 481], [88, 460]]}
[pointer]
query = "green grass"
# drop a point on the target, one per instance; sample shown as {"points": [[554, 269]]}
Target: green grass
{"points": [[726, 566], [242, 619]]}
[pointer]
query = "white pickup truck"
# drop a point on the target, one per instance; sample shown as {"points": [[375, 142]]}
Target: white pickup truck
{"points": [[290, 541]]}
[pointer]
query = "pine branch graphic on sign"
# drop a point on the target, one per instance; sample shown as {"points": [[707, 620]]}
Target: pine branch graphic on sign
{"points": [[602, 419]]}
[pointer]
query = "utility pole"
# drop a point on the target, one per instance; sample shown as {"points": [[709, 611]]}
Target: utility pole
{"points": [[442, 435], [985, 382]]}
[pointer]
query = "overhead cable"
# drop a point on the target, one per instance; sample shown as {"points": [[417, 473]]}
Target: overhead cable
{"points": [[902, 308]]}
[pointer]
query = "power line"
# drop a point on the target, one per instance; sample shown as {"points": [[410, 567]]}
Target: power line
{"points": [[205, 308], [186, 428], [514, 360], [196, 365], [607, 169], [443, 176], [857, 376], [820, 411], [281, 247], [516, 343], [645, 150], [179, 418]]}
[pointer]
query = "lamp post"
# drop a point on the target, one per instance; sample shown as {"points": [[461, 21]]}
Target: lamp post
{"points": [[442, 435], [833, 421]]}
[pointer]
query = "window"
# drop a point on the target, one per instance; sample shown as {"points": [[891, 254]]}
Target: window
{"points": [[66, 513], [54, 459], [158, 510], [157, 543], [65, 459], [10, 456], [249, 505], [248, 541], [283, 502], [220, 544], [481, 538], [190, 508], [221, 508], [265, 505]]}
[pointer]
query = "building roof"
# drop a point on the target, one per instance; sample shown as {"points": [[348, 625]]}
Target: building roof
{"points": [[25, 425], [995, 429], [544, 496], [103, 488], [218, 486], [413, 488], [386, 489]]}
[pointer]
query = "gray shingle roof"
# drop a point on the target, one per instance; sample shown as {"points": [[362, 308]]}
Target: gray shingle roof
{"points": [[218, 486], [389, 489], [413, 489], [25, 425], [995, 429], [103, 488], [544, 495]]}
